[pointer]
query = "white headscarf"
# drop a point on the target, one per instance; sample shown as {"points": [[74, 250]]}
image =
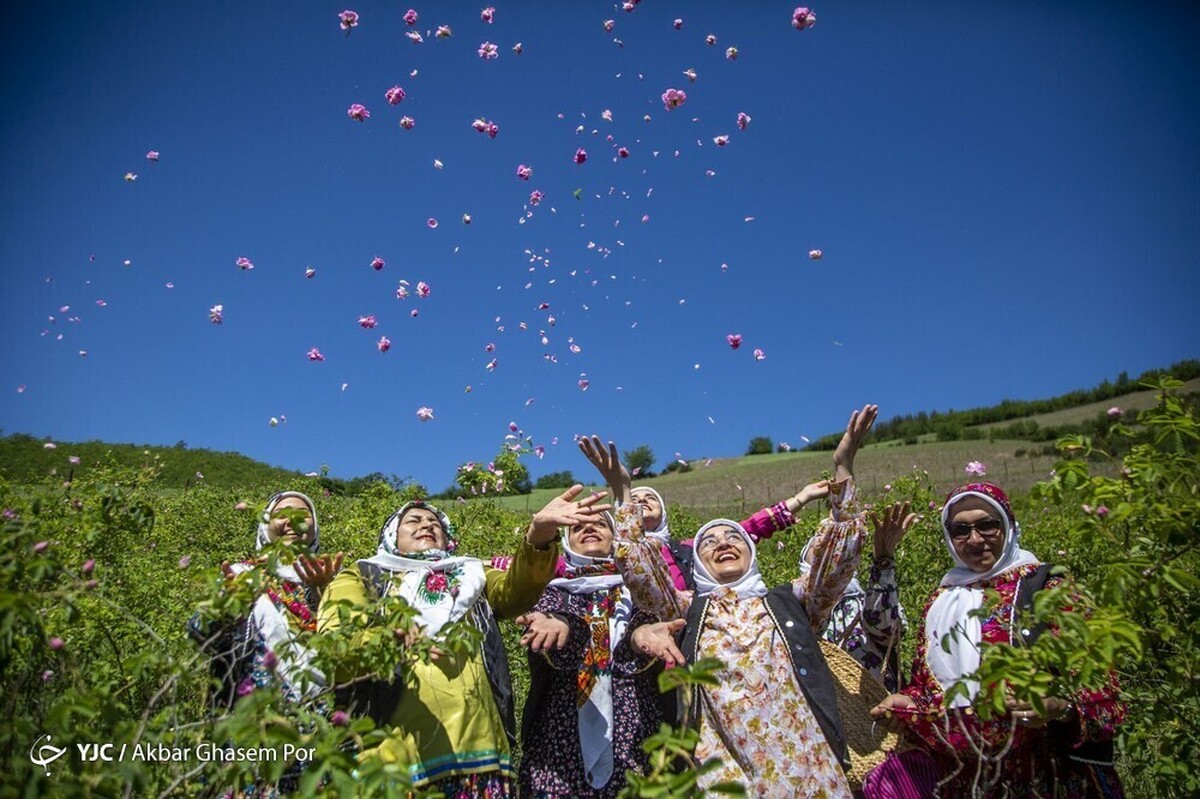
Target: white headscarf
{"points": [[748, 585], [963, 593], [662, 533], [595, 716], [267, 621], [441, 588]]}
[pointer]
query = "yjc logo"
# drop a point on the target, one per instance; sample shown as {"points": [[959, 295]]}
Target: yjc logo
{"points": [[45, 754]]}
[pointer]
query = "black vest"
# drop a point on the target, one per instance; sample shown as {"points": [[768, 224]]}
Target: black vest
{"points": [[808, 663]]}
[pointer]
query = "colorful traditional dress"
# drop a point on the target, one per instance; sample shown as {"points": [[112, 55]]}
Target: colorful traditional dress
{"points": [[451, 723], [594, 702], [773, 720], [993, 758]]}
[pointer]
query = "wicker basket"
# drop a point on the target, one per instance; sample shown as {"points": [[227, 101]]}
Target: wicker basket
{"points": [[857, 692]]}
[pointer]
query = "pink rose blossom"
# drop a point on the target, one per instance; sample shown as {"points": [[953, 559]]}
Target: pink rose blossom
{"points": [[407, 123], [185, 561], [244, 263], [743, 120], [1115, 412], [487, 14], [349, 19], [56, 643], [710, 40], [803, 18], [384, 344], [759, 355], [423, 289], [378, 263], [152, 155], [976, 469], [245, 687], [431, 223], [580, 155], [424, 414], [310, 273], [673, 98], [216, 314], [488, 51], [735, 340], [358, 112], [394, 95], [315, 355], [731, 53], [816, 255], [535, 197], [524, 172], [89, 566], [410, 17], [366, 322], [443, 32]]}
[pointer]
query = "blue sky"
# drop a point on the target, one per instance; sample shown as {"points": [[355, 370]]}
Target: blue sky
{"points": [[1006, 197]]}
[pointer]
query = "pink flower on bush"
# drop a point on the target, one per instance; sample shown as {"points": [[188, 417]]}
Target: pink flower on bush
{"points": [[1115, 412], [384, 344], [488, 51], [759, 355], [349, 19], [410, 17], [378, 263], [245, 687], [580, 155], [185, 561], [976, 469], [394, 95], [216, 314], [88, 566], [270, 661], [424, 414], [357, 112], [367, 322], [803, 18], [535, 197], [314, 354], [743, 120], [673, 98], [339, 718], [407, 123], [735, 340], [56, 643], [244, 263], [423, 289], [152, 155], [1102, 511], [524, 172], [487, 14]]}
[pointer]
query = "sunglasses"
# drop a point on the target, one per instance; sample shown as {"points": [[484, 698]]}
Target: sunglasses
{"points": [[987, 528]]}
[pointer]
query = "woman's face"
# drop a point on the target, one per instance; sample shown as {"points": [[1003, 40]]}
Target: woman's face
{"points": [[979, 548], [419, 530], [651, 509], [280, 526], [593, 539], [724, 552]]}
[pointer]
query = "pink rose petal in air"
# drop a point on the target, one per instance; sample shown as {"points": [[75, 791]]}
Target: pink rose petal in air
{"points": [[623, 152], [367, 322], [349, 19], [378, 263], [384, 344], [152, 155], [609, 25], [410, 17], [580, 155], [395, 95], [803, 18], [357, 112], [735, 340], [310, 273], [423, 289], [443, 32], [673, 98], [424, 414], [815, 255], [583, 381], [431, 222], [535, 197], [244, 263], [415, 37], [731, 54], [518, 48], [315, 355], [524, 172], [721, 141], [407, 123], [487, 14], [402, 292], [216, 314], [488, 51], [759, 355], [710, 39], [743, 120]]}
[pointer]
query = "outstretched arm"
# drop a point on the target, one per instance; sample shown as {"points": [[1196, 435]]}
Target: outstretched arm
{"points": [[833, 554], [642, 566], [605, 459], [852, 440], [781, 515]]}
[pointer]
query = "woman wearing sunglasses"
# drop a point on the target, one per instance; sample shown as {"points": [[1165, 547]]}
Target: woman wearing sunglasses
{"points": [[1064, 750]]}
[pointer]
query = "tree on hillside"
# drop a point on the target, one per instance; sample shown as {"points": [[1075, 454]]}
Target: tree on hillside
{"points": [[639, 461], [556, 480], [761, 445]]}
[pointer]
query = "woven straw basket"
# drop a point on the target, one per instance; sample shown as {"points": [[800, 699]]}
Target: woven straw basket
{"points": [[857, 692]]}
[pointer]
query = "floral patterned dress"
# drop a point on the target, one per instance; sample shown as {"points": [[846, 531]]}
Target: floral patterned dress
{"points": [[759, 704], [1032, 766]]}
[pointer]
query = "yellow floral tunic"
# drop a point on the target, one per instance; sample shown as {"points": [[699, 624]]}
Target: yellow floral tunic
{"points": [[758, 702]]}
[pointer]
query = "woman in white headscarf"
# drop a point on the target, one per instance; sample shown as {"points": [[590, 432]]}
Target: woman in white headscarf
{"points": [[1064, 751], [593, 698], [450, 720]]}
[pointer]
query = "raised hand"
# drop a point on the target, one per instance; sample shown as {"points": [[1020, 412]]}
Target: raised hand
{"points": [[543, 631], [1026, 716], [890, 528], [891, 711], [609, 465], [658, 640], [565, 511], [856, 433], [318, 572], [817, 490]]}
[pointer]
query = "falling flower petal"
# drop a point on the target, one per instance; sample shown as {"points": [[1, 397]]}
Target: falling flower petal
{"points": [[731, 53], [410, 17], [743, 120], [315, 355], [535, 197], [130, 177], [759, 355], [152, 155], [735, 340], [245, 264], [487, 14], [518, 48], [815, 255], [310, 273], [443, 32], [423, 289], [673, 98], [358, 112], [366, 322], [580, 155], [407, 123], [349, 19], [415, 37], [710, 39], [395, 95], [488, 51], [524, 172], [721, 141], [424, 414], [976, 469], [431, 222], [378, 263], [216, 314], [384, 344], [803, 18]]}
